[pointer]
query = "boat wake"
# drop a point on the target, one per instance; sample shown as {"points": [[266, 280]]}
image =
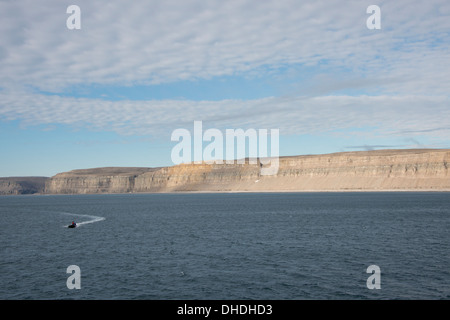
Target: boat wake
{"points": [[92, 219]]}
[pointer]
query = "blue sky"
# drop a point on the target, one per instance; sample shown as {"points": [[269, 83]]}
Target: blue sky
{"points": [[111, 93]]}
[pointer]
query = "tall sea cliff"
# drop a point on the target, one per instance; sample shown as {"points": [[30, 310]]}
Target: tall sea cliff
{"points": [[410, 169]]}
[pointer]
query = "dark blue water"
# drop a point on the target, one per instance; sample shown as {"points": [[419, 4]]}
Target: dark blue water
{"points": [[226, 246]]}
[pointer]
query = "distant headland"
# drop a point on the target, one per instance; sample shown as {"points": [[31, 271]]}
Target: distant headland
{"points": [[378, 170]]}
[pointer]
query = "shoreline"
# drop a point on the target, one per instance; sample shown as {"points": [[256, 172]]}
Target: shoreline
{"points": [[415, 170], [243, 191]]}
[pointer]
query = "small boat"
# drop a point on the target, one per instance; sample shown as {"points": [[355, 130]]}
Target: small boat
{"points": [[71, 226]]}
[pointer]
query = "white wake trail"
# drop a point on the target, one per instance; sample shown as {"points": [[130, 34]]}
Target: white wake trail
{"points": [[92, 219]]}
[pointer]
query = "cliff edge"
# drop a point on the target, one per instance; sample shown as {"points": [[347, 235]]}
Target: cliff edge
{"points": [[409, 169], [22, 185]]}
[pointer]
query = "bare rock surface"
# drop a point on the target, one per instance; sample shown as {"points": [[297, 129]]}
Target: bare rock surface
{"points": [[409, 169]]}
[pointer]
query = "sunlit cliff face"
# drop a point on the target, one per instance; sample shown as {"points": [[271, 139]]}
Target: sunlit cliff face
{"points": [[368, 170]]}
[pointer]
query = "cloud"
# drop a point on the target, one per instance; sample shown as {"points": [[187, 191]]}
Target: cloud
{"points": [[401, 116], [411, 143], [402, 68], [149, 42]]}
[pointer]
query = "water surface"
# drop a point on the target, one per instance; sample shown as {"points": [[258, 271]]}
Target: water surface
{"points": [[226, 246]]}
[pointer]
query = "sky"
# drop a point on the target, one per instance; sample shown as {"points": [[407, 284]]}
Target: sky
{"points": [[112, 92]]}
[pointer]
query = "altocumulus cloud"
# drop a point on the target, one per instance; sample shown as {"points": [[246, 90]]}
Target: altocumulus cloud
{"points": [[403, 67], [424, 115]]}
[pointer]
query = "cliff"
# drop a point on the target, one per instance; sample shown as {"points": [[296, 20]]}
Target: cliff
{"points": [[98, 180], [22, 185], [413, 169]]}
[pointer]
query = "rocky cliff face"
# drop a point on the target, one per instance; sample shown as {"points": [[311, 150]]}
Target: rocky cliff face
{"points": [[425, 169], [98, 180], [22, 185]]}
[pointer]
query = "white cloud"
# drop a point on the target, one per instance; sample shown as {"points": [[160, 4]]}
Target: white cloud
{"points": [[386, 115], [406, 64], [165, 41]]}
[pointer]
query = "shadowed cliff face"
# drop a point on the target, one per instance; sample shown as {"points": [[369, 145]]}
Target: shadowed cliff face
{"points": [[22, 185], [425, 169], [98, 180]]}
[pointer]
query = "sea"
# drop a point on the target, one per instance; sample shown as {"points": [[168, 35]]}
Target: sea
{"points": [[226, 246]]}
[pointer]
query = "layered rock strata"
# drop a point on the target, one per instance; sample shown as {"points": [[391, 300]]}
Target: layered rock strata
{"points": [[417, 169], [22, 185]]}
